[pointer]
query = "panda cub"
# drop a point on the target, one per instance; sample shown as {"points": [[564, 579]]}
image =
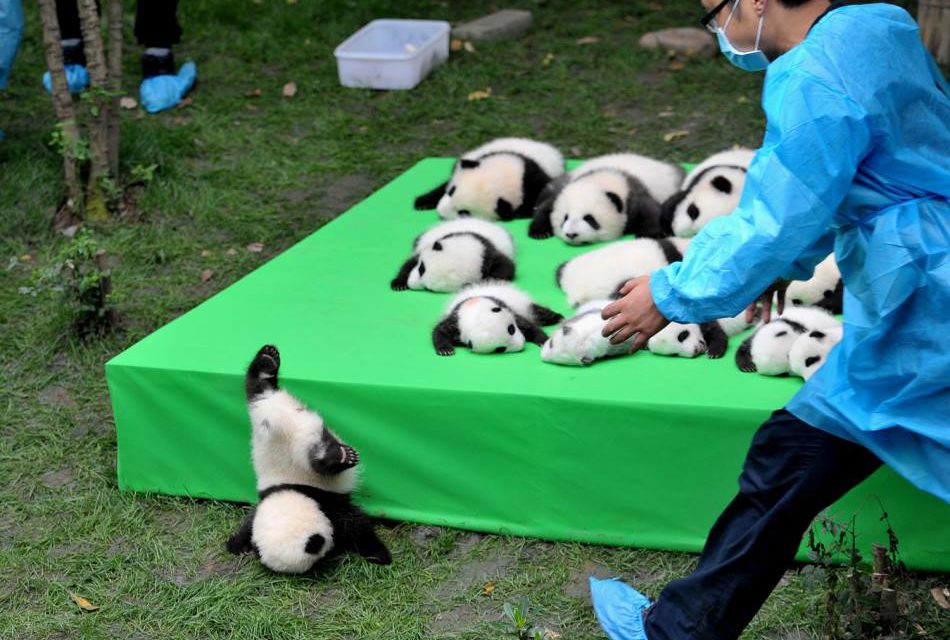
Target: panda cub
{"points": [[499, 180], [605, 198], [305, 481], [455, 253], [594, 275], [491, 317], [767, 351], [824, 289], [710, 190]]}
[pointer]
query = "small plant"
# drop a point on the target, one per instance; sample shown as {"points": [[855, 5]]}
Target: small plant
{"points": [[858, 604], [80, 276], [517, 615], [142, 174]]}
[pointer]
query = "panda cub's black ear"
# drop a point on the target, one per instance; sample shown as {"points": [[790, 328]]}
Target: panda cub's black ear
{"points": [[722, 184], [616, 201], [504, 209], [468, 164]]}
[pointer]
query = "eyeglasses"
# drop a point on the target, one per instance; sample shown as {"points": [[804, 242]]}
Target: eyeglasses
{"points": [[709, 20]]}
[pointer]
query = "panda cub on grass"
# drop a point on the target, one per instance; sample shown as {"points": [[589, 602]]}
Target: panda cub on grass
{"points": [[305, 481], [491, 317], [455, 253], [710, 190], [605, 198], [499, 180]]}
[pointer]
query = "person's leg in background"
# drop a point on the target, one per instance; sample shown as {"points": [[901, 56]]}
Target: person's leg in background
{"points": [[157, 30], [791, 473], [74, 53], [11, 30]]}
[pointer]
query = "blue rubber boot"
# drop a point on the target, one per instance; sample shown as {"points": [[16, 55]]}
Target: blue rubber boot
{"points": [[76, 77], [162, 92], [619, 609]]}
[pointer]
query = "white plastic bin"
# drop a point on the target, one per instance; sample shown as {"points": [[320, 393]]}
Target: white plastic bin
{"points": [[392, 54]]}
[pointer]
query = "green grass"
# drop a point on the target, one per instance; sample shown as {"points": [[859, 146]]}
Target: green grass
{"points": [[233, 170]]}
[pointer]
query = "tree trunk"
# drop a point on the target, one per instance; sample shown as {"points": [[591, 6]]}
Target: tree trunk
{"points": [[934, 19], [98, 128], [62, 103], [115, 84]]}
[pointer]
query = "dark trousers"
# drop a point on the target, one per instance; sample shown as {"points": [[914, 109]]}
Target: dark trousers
{"points": [[792, 472], [156, 22]]}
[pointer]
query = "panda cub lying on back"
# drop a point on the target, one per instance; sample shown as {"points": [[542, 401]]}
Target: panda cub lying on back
{"points": [[305, 480], [605, 198], [455, 253], [491, 317], [499, 180]]}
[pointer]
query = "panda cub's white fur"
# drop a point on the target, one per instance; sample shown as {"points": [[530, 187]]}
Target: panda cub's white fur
{"points": [[596, 274], [499, 180], [455, 253], [492, 317], [712, 189], [767, 351], [605, 198], [811, 350], [578, 341], [824, 288], [305, 478]]}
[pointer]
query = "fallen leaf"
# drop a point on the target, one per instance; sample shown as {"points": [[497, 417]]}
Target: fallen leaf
{"points": [[742, 100], [26, 257], [290, 90], [665, 114], [941, 596], [548, 59], [673, 135], [480, 95], [469, 47], [256, 93], [551, 635], [84, 604], [677, 65], [205, 253], [251, 107], [179, 120], [128, 102], [255, 247], [456, 44], [185, 102], [231, 252], [206, 275], [588, 40], [488, 589]]}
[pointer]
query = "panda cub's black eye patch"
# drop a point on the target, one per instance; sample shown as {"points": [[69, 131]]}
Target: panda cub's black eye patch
{"points": [[781, 333], [422, 269], [683, 335], [797, 302], [592, 221], [464, 213], [451, 190], [812, 360], [722, 184], [511, 329], [692, 211], [437, 246], [496, 310], [817, 334]]}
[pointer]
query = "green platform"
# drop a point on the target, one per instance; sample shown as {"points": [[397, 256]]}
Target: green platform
{"points": [[640, 451]]}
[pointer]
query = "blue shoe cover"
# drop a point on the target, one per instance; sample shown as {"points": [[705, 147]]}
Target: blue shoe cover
{"points": [[76, 77], [164, 92], [619, 609]]}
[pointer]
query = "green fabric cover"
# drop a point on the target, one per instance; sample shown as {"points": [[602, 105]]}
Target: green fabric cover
{"points": [[640, 451]]}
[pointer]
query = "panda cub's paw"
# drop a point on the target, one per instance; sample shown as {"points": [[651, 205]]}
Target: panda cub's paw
{"points": [[262, 372], [349, 456], [398, 285]]}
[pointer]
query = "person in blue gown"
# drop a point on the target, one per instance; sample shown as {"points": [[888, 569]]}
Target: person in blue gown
{"points": [[855, 160]]}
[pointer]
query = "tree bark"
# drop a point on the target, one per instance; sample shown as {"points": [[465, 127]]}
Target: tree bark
{"points": [[98, 128], [115, 84], [62, 102], [933, 16]]}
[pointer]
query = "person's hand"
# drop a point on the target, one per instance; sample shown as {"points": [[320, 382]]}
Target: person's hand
{"points": [[777, 291], [634, 313]]}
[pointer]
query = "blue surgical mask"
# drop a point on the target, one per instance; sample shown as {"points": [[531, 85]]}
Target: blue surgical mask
{"points": [[753, 60]]}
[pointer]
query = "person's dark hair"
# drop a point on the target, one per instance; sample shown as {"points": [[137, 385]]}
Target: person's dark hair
{"points": [[791, 4]]}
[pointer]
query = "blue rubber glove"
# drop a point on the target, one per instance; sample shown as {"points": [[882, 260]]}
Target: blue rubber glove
{"points": [[164, 92], [11, 31], [76, 77], [619, 609]]}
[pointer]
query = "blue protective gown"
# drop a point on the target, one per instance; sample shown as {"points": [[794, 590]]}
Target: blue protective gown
{"points": [[11, 30], [856, 159]]}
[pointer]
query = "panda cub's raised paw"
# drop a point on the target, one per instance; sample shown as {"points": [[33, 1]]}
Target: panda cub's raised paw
{"points": [[262, 372], [399, 285], [350, 457]]}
